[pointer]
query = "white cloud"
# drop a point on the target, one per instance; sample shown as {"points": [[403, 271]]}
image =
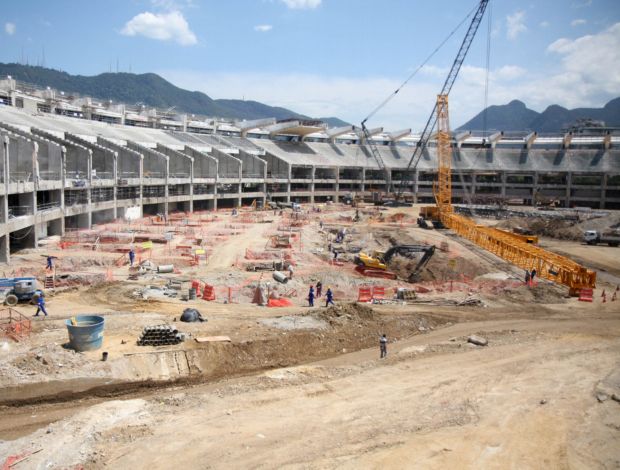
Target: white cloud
{"points": [[302, 4], [587, 74], [161, 26], [509, 72], [515, 24], [578, 22], [9, 28], [263, 28], [544, 24], [590, 64]]}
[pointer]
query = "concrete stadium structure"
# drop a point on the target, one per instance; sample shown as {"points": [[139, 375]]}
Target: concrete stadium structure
{"points": [[60, 172]]}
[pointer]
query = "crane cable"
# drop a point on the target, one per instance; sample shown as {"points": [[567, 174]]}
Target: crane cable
{"points": [[414, 73], [468, 192]]}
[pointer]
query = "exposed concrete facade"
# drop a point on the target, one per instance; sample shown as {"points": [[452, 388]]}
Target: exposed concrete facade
{"points": [[62, 173]]}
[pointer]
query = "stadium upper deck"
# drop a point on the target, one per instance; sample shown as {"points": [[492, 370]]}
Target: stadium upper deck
{"points": [[60, 170]]}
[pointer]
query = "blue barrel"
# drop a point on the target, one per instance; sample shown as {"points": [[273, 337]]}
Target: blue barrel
{"points": [[87, 335]]}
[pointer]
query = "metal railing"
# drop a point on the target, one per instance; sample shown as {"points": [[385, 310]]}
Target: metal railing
{"points": [[19, 211], [103, 175], [49, 175], [179, 175], [20, 176], [46, 206]]}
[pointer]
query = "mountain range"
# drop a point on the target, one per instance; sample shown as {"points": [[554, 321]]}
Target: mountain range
{"points": [[151, 90], [516, 116]]}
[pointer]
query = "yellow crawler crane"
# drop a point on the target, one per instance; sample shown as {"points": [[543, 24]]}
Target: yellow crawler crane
{"points": [[519, 250]]}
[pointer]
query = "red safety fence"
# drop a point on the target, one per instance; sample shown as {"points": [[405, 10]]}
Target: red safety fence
{"points": [[364, 294], [14, 324], [378, 292], [585, 295], [209, 292]]}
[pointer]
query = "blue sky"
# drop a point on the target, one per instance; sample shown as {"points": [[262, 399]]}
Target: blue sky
{"points": [[333, 57]]}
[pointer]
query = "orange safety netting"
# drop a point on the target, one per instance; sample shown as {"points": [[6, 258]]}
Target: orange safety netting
{"points": [[279, 303]]}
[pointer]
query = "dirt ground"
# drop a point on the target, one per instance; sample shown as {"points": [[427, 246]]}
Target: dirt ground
{"points": [[300, 387]]}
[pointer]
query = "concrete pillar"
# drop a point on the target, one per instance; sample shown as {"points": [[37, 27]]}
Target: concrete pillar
{"points": [[5, 199], [288, 183], [312, 186], [415, 186], [338, 184], [191, 180], [5, 252], [503, 177], [534, 188], [115, 186], [473, 182], [603, 190], [167, 178], [363, 184], [215, 186], [240, 185], [569, 184]]}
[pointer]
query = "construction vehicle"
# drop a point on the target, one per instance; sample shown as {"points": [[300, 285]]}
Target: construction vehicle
{"points": [[18, 289], [592, 237], [376, 263], [545, 201], [506, 245]]}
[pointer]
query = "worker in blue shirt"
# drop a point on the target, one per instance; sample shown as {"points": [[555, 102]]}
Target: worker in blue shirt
{"points": [[50, 262], [311, 297], [132, 256], [40, 305], [329, 297]]}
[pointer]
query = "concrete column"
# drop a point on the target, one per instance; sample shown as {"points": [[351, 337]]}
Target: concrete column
{"points": [[115, 186], [363, 184], [166, 193], [503, 178], [534, 188], [569, 185], [264, 185], [289, 184], [89, 190], [415, 186], [191, 182], [603, 190], [217, 176], [63, 164], [473, 182], [239, 186], [141, 185], [5, 203], [338, 184], [5, 252], [312, 186]]}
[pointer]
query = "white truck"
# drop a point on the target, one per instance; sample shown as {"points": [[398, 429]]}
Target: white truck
{"points": [[593, 237]]}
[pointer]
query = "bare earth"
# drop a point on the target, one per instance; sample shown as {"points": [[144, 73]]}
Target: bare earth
{"points": [[305, 388]]}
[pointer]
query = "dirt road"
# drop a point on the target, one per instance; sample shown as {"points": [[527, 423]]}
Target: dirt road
{"points": [[528, 400]]}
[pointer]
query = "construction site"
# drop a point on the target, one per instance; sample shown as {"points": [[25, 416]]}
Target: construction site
{"points": [[286, 295]]}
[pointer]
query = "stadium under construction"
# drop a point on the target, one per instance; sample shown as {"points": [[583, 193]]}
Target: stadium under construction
{"points": [[69, 165]]}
